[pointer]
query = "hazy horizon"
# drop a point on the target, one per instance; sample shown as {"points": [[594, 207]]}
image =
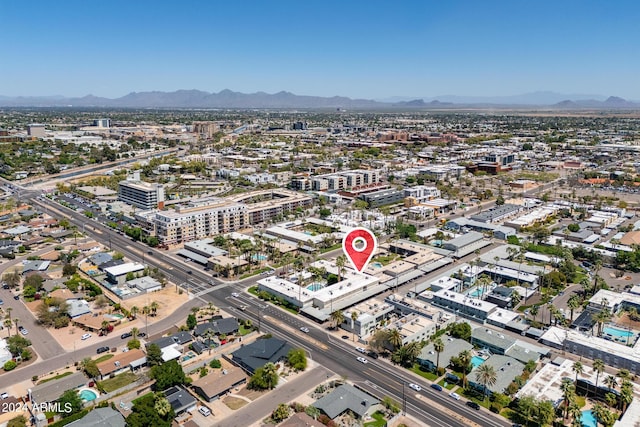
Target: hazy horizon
{"points": [[369, 50]]}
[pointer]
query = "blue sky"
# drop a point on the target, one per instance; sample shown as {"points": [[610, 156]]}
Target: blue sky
{"points": [[360, 49]]}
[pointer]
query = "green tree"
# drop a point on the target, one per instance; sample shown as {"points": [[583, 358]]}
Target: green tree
{"points": [[90, 367], [162, 406], [337, 317], [297, 359], [461, 330], [19, 421], [598, 366], [192, 322], [281, 413], [70, 402], [154, 355], [167, 375], [465, 357], [578, 368], [215, 364], [394, 338], [438, 347], [264, 378], [144, 413]]}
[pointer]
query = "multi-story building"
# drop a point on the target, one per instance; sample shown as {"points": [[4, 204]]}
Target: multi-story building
{"points": [[35, 130], [422, 193], [200, 219], [266, 205], [351, 179], [141, 194], [102, 123]]}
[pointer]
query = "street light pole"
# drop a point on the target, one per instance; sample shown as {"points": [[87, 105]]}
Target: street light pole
{"points": [[404, 400]]}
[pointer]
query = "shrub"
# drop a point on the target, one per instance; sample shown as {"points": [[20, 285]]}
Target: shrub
{"points": [[10, 365], [215, 364]]}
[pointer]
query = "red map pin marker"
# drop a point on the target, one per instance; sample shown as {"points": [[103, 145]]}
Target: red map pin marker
{"points": [[359, 245]]}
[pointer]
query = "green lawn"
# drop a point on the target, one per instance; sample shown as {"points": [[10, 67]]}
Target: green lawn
{"points": [[243, 331], [62, 375], [104, 357], [379, 420], [137, 399], [449, 385], [118, 381], [424, 374], [476, 396]]}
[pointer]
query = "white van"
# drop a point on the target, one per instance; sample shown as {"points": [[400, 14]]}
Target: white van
{"points": [[204, 411]]}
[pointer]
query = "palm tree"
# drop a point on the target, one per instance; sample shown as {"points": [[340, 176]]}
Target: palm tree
{"points": [[626, 394], [578, 369], [9, 310], [269, 370], [7, 324], [104, 327], [134, 332], [624, 374], [154, 307], [16, 320], [486, 375], [395, 339], [534, 311], [611, 399], [598, 366], [465, 357], [515, 299], [483, 281], [341, 262], [573, 303], [611, 382], [576, 415], [208, 335], [134, 311], [354, 317], [438, 347], [568, 392], [337, 317], [162, 406]]}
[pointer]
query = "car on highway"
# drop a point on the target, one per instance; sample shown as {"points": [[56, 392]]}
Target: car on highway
{"points": [[85, 337], [23, 330], [372, 354], [100, 350], [304, 329], [455, 395], [436, 387], [235, 294], [474, 405], [362, 360], [126, 335], [416, 387], [361, 350]]}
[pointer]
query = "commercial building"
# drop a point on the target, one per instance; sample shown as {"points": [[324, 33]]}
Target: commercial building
{"points": [[387, 196], [141, 194], [102, 123], [36, 130], [463, 305], [414, 327], [506, 368], [421, 193], [497, 213], [428, 358], [351, 179], [264, 206]]}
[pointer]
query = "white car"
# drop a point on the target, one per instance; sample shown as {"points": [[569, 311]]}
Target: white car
{"points": [[362, 360], [85, 337], [455, 395], [4, 395], [361, 350], [416, 387], [235, 294], [304, 329]]}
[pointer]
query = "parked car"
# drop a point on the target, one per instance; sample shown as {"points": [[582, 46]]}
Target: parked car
{"points": [[204, 411], [416, 387], [23, 330], [436, 387], [102, 349], [142, 335], [1, 302], [85, 337], [4, 395], [372, 354], [474, 405], [361, 350], [126, 335]]}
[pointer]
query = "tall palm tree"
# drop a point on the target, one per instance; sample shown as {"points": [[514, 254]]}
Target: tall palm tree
{"points": [[104, 327], [16, 321], [269, 370], [208, 335], [354, 317], [154, 307], [611, 382], [337, 317], [9, 310], [576, 415], [573, 303], [578, 369], [465, 357], [486, 375], [134, 332], [626, 394], [341, 262], [568, 392], [162, 406], [598, 366], [395, 339], [134, 311], [7, 324], [438, 347], [534, 311]]}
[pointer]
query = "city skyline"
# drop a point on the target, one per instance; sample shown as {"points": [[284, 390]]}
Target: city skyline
{"points": [[358, 50]]}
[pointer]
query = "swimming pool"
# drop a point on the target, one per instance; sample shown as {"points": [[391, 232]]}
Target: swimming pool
{"points": [[376, 265], [588, 420], [315, 287], [616, 332], [88, 395], [189, 355], [258, 257], [477, 361]]}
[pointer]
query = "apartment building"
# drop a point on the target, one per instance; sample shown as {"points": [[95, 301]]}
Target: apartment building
{"points": [[351, 179], [266, 205], [198, 220], [422, 193]]}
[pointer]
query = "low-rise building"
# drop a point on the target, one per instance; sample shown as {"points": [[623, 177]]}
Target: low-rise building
{"points": [[428, 357], [218, 382]]}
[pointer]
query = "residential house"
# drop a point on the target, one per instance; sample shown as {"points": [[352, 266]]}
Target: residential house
{"points": [[52, 390], [347, 398], [180, 399], [506, 368], [260, 352], [100, 417], [219, 382], [452, 348], [122, 362]]}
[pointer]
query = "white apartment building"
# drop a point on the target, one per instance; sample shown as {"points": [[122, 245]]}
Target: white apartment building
{"points": [[422, 193], [141, 194]]}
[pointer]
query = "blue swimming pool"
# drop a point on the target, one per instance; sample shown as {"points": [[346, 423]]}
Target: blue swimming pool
{"points": [[477, 361], [616, 332], [88, 395], [315, 287], [258, 257], [588, 420], [376, 265]]}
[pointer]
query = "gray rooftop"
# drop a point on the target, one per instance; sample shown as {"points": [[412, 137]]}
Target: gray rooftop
{"points": [[78, 307], [452, 347], [506, 369], [496, 212], [100, 417], [462, 241], [522, 354], [491, 337], [344, 398], [52, 390]]}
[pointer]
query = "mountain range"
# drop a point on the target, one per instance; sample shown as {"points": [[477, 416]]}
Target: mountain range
{"points": [[288, 100]]}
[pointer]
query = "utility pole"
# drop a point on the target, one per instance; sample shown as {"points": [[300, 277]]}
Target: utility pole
{"points": [[404, 400]]}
